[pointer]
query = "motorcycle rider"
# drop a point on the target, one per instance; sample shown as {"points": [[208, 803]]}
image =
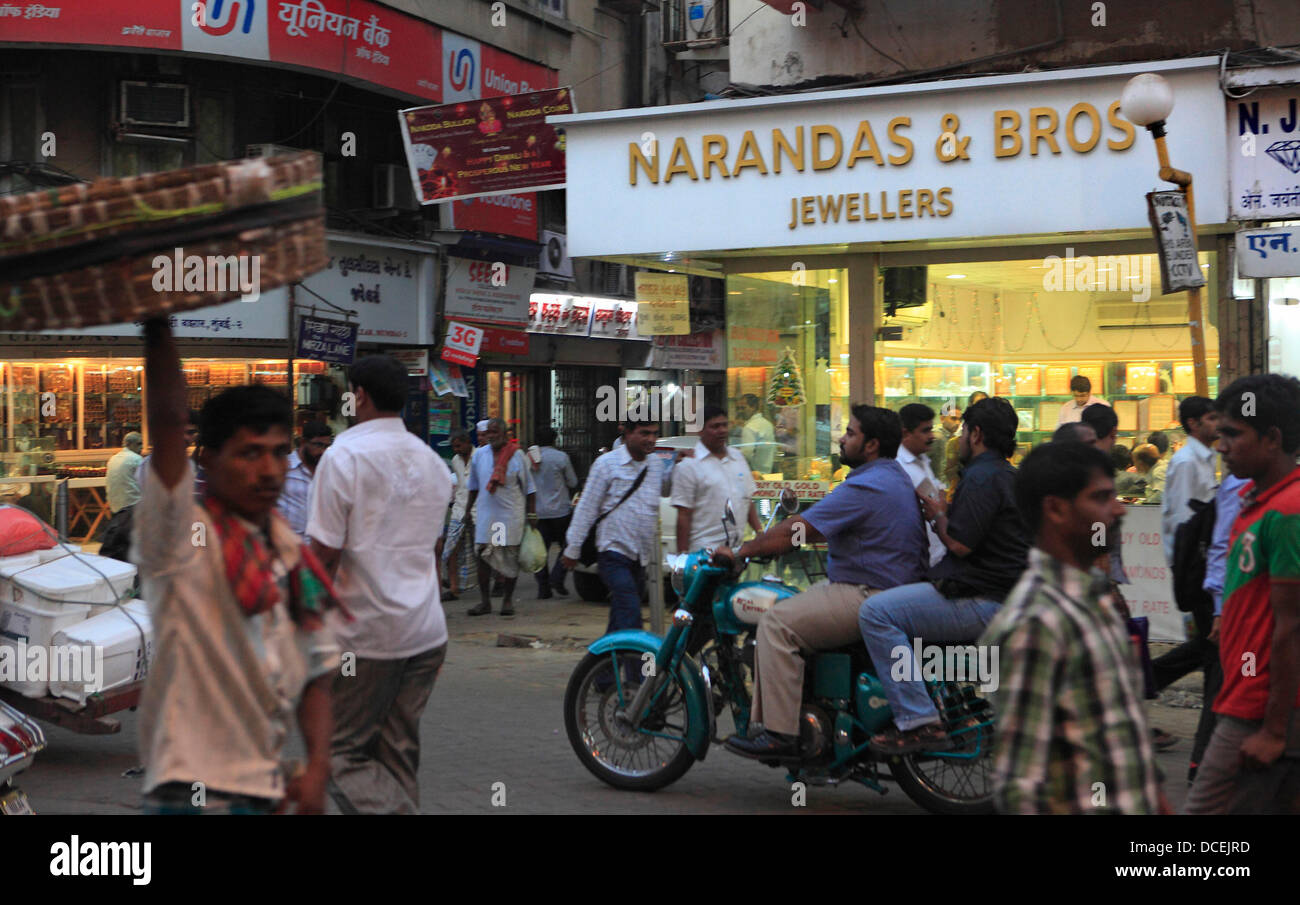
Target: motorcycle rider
{"points": [[988, 549], [876, 539]]}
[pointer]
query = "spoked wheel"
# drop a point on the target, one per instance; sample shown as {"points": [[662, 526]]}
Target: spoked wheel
{"points": [[639, 759], [958, 781]]}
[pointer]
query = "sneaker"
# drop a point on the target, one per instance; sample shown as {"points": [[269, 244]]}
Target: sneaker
{"points": [[559, 590], [1163, 740], [544, 595]]}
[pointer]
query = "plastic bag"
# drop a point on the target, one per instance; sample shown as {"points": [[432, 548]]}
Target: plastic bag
{"points": [[532, 551]]}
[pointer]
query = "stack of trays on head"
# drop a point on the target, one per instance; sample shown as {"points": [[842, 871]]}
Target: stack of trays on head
{"points": [[85, 255]]}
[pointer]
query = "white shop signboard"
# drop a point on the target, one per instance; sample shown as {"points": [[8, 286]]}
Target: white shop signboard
{"points": [[1264, 155], [492, 292], [389, 285], [998, 155], [1150, 592]]}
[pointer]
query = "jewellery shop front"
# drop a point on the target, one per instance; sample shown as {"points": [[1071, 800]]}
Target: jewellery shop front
{"points": [[919, 243], [66, 401]]}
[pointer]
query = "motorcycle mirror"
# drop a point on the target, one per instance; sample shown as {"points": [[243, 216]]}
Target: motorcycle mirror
{"points": [[789, 501], [728, 521]]}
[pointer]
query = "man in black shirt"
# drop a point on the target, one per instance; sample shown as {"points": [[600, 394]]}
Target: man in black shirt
{"points": [[988, 548]]}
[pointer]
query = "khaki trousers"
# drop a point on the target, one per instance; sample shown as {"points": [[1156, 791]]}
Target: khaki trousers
{"points": [[823, 617]]}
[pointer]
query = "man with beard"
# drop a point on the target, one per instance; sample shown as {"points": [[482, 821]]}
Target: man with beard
{"points": [[1069, 703], [918, 438], [987, 546], [316, 438], [876, 540]]}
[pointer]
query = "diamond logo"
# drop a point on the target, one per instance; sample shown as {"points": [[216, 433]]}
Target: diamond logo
{"points": [[1286, 153]]}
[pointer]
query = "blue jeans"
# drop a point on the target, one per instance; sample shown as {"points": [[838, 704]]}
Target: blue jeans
{"points": [[626, 582], [891, 620]]}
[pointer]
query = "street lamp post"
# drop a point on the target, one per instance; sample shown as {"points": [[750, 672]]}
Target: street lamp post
{"points": [[1147, 101]]}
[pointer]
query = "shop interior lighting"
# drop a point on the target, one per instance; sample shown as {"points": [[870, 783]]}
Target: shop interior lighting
{"points": [[956, 276]]}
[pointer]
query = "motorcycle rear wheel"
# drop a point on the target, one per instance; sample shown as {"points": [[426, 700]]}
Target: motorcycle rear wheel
{"points": [[637, 760], [950, 784]]}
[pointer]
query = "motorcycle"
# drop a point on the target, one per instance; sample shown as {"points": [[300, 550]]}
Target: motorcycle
{"points": [[20, 740], [640, 710]]}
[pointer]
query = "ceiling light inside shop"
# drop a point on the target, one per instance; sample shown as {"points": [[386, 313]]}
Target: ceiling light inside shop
{"points": [[956, 276]]}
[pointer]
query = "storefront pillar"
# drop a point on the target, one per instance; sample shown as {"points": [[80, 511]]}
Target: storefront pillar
{"points": [[862, 271]]}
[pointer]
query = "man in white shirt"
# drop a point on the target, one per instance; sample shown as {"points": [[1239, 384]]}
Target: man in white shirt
{"points": [[501, 483], [377, 502], [716, 474], [758, 437], [1081, 388], [626, 536], [1191, 470], [237, 605], [913, 455], [123, 491]]}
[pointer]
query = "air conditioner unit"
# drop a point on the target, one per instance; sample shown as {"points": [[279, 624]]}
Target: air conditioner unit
{"points": [[155, 104], [1141, 314], [393, 189], [612, 279], [702, 19], [269, 150]]}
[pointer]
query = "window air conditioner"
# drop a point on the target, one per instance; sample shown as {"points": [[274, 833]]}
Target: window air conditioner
{"points": [[155, 104]]}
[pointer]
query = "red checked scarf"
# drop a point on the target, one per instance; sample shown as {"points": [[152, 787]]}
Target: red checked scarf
{"points": [[498, 478], [248, 569]]}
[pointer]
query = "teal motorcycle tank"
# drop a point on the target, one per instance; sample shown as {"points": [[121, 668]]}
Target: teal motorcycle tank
{"points": [[739, 608]]}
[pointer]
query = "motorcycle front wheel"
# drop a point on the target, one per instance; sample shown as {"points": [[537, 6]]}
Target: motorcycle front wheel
{"points": [[640, 759]]}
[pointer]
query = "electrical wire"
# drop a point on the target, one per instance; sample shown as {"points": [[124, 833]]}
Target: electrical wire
{"points": [[311, 122], [867, 41]]}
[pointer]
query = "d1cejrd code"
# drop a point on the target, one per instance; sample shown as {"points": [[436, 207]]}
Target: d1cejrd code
{"points": [[1167, 848]]}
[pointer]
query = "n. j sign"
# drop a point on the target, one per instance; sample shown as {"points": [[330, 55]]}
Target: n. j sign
{"points": [[1000, 155]]}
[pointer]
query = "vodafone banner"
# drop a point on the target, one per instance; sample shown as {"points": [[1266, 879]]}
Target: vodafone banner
{"points": [[509, 215], [360, 39]]}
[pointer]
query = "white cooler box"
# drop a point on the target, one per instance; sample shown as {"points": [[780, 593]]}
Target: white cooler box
{"points": [[39, 598], [126, 654], [29, 623], [74, 579]]}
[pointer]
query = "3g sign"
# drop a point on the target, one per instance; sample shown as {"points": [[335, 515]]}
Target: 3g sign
{"points": [[463, 343]]}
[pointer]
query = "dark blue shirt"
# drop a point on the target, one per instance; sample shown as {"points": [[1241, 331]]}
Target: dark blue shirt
{"points": [[984, 517], [873, 528]]}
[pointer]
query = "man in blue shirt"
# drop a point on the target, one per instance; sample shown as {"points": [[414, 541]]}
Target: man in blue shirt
{"points": [[873, 531], [988, 549]]}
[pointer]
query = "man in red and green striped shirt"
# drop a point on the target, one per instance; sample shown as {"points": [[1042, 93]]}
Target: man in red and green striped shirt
{"points": [[1252, 764]]}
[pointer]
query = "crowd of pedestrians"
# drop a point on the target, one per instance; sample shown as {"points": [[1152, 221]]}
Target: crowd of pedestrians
{"points": [[307, 583]]}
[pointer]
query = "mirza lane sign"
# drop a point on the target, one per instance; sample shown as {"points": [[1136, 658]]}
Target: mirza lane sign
{"points": [[1002, 155]]}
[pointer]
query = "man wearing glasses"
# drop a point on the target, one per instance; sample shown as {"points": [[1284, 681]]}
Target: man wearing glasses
{"points": [[316, 438]]}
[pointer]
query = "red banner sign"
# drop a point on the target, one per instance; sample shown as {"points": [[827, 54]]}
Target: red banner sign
{"points": [[510, 215], [503, 342], [357, 38], [485, 147]]}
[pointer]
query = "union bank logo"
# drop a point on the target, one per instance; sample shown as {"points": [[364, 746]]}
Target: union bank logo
{"points": [[212, 16], [461, 75], [235, 28]]}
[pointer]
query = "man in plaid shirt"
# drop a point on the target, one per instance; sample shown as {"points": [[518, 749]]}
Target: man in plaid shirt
{"points": [[1071, 737]]}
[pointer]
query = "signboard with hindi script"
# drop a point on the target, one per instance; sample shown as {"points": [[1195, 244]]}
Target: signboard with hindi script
{"points": [[663, 304], [327, 340], [1269, 252], [1179, 267]]}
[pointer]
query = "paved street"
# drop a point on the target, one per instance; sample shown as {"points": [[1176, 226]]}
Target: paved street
{"points": [[496, 716]]}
